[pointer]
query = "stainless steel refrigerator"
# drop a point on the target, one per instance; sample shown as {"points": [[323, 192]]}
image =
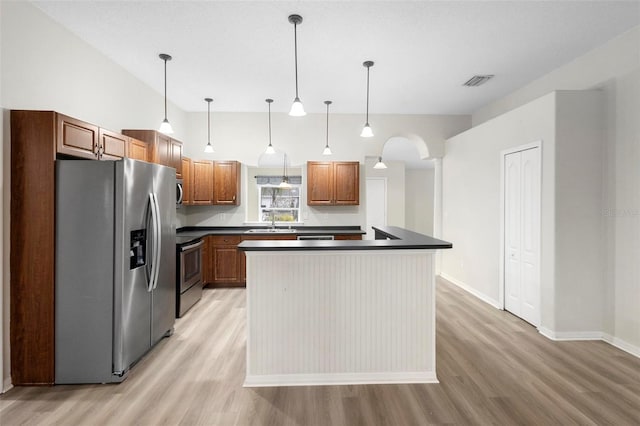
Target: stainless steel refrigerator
{"points": [[115, 283]]}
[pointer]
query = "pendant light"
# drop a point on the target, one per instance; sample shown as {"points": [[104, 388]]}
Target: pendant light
{"points": [[366, 130], [297, 110], [269, 149], [285, 177], [327, 150], [208, 148], [380, 165], [165, 127]]}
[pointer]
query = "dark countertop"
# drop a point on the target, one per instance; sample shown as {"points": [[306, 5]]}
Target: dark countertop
{"points": [[189, 234], [388, 238]]}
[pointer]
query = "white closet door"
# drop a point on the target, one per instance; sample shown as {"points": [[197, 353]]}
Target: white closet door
{"points": [[522, 234]]}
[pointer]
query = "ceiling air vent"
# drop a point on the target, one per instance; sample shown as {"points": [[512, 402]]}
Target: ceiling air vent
{"points": [[478, 80]]}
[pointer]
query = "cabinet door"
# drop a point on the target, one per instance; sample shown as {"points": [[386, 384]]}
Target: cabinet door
{"points": [[226, 179], [347, 237], [162, 150], [111, 145], [202, 180], [176, 157], [76, 138], [138, 150], [319, 183], [346, 178], [225, 264], [187, 184]]}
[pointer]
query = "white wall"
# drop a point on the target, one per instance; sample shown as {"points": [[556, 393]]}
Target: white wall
{"points": [[614, 68], [569, 125], [616, 58], [244, 136], [579, 263], [471, 199], [621, 211], [419, 201], [46, 67]]}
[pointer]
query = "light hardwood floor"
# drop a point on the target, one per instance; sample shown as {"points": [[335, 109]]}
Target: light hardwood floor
{"points": [[493, 369]]}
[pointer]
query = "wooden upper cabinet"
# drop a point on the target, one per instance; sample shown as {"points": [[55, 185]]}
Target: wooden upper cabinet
{"points": [[319, 183], [187, 183], [346, 178], [111, 145], [175, 157], [202, 180], [226, 179], [138, 150], [333, 183], [162, 149], [76, 138]]}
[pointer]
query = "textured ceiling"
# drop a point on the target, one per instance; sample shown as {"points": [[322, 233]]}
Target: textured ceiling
{"points": [[240, 52]]}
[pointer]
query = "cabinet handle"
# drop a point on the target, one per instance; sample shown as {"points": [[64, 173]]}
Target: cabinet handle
{"points": [[234, 198]]}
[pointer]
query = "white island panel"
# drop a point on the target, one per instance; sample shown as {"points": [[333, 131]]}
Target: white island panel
{"points": [[340, 317]]}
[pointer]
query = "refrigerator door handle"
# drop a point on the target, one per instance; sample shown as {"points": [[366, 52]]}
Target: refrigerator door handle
{"points": [[158, 240], [154, 232]]}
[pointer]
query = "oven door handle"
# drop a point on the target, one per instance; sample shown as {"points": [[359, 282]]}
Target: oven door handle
{"points": [[191, 246]]}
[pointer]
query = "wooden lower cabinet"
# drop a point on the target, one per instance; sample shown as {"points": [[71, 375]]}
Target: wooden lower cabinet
{"points": [[225, 261], [224, 265], [347, 237]]}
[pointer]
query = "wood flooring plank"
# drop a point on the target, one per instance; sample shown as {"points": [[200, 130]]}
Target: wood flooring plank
{"points": [[493, 369]]}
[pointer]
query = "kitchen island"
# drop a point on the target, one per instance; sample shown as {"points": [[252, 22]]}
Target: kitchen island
{"points": [[342, 312]]}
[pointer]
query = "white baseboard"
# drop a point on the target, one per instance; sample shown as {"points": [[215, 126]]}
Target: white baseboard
{"points": [[565, 336], [339, 379], [6, 385], [472, 291], [621, 344]]}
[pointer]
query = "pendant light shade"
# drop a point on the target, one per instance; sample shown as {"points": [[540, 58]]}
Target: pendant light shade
{"points": [[366, 130], [208, 148], [297, 110], [165, 126], [269, 149], [327, 150], [380, 165]]}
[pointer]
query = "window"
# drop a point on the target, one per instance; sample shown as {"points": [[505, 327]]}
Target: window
{"points": [[279, 204]]}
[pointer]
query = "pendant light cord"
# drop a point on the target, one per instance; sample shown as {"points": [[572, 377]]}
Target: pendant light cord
{"points": [[165, 89], [209, 122], [327, 124], [295, 53], [368, 94], [269, 103]]}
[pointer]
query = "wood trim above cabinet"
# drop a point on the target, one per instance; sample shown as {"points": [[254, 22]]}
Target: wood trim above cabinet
{"points": [[34, 142]]}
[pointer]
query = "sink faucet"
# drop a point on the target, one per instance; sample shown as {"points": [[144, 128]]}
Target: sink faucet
{"points": [[273, 220]]}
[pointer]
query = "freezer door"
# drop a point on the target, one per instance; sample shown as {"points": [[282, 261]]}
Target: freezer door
{"points": [[164, 294], [132, 309], [84, 271]]}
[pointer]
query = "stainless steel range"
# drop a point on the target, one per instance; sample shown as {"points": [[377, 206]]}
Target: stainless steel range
{"points": [[189, 276]]}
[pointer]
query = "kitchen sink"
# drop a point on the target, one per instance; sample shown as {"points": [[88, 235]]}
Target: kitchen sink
{"points": [[270, 231]]}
